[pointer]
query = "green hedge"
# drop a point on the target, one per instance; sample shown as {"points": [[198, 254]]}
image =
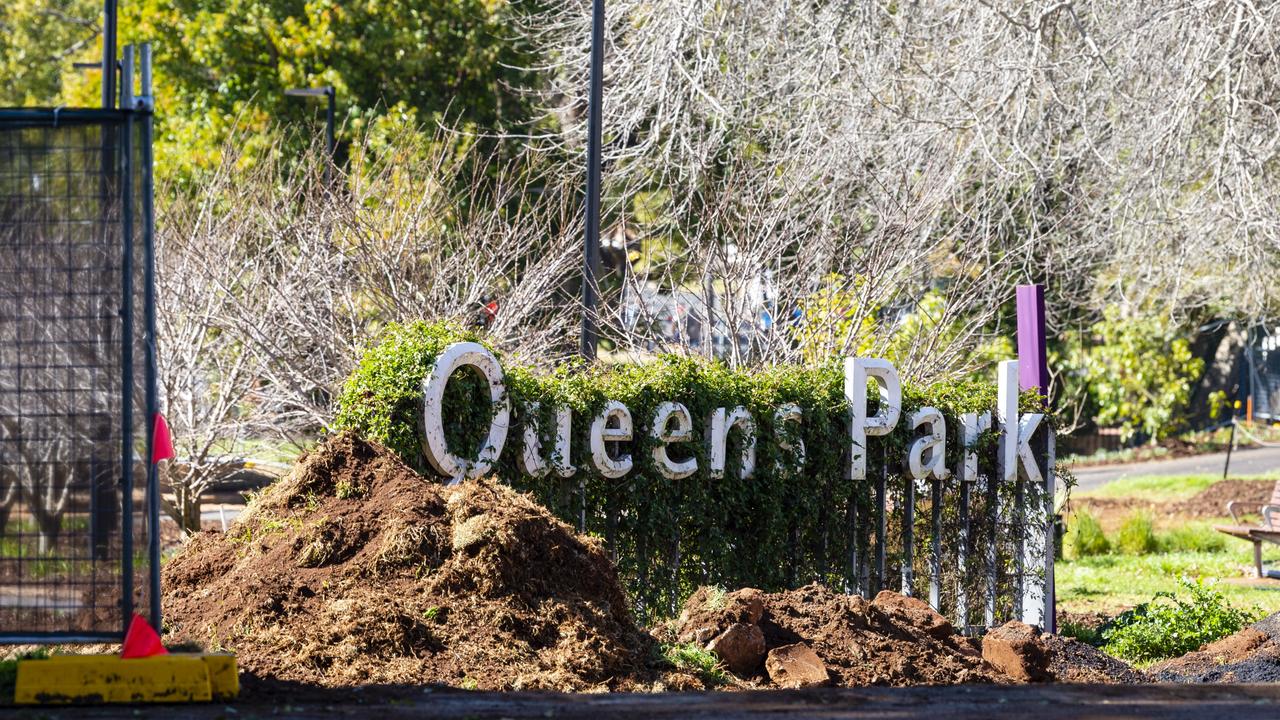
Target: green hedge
{"points": [[780, 527]]}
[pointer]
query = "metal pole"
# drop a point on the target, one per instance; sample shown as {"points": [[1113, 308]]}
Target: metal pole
{"points": [[108, 54], [126, 354], [591, 254], [149, 305], [330, 145], [1231, 443]]}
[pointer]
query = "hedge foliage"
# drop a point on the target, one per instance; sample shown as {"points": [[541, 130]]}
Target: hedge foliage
{"points": [[780, 527]]}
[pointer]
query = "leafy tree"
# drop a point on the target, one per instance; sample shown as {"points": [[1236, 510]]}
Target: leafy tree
{"points": [[225, 64], [39, 41], [1139, 373]]}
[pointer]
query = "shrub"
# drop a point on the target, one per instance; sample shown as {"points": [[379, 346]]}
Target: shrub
{"points": [[766, 530], [1171, 625], [1137, 535], [382, 399], [1197, 537], [1087, 538]]}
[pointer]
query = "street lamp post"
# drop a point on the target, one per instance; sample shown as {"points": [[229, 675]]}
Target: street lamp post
{"points": [[328, 93], [591, 256], [108, 54]]}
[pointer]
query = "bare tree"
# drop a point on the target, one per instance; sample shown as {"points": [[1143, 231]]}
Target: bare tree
{"points": [[1121, 152], [272, 283]]}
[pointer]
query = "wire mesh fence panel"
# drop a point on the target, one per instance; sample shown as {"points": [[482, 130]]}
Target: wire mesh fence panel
{"points": [[72, 440]]}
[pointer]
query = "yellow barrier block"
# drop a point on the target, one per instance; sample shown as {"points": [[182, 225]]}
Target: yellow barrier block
{"points": [[68, 679], [224, 677]]}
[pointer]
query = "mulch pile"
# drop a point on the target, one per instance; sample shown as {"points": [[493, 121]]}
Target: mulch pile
{"points": [[354, 569], [1249, 656], [1207, 504]]}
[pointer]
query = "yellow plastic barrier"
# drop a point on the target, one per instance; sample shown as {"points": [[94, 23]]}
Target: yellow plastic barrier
{"points": [[67, 679]]}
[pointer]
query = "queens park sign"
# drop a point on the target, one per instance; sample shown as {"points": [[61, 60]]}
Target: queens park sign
{"points": [[941, 457]]}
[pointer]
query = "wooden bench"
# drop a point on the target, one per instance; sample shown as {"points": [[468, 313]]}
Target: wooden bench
{"points": [[1268, 531]]}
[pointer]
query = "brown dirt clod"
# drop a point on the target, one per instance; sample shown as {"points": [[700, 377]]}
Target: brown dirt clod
{"points": [[1016, 649], [796, 666]]}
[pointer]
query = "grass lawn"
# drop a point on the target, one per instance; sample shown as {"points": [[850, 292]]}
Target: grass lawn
{"points": [[1153, 488], [1114, 582], [1168, 546]]}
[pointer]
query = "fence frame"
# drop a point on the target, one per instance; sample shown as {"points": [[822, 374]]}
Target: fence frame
{"points": [[133, 169]]}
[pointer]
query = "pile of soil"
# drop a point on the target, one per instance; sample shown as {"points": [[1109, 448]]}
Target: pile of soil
{"points": [[1207, 504], [356, 570], [892, 640], [1249, 656]]}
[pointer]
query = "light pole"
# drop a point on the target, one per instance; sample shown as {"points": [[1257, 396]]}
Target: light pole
{"points": [[591, 256], [108, 54], [328, 93]]}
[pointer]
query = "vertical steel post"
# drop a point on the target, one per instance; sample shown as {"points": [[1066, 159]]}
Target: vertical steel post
{"points": [[962, 558], [1033, 372], [126, 355], [935, 543], [591, 254], [108, 54], [908, 536], [149, 303]]}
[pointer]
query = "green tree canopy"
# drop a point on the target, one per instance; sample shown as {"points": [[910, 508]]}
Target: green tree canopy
{"points": [[39, 41], [222, 64]]}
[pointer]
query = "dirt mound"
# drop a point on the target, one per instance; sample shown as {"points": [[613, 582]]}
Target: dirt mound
{"points": [[1212, 501], [1249, 656], [893, 640], [1072, 661], [354, 569]]}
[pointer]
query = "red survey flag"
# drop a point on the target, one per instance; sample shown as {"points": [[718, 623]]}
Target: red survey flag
{"points": [[141, 640]]}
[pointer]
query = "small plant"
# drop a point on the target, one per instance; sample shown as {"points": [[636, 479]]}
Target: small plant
{"points": [[432, 614], [1087, 538], [1171, 625], [468, 684], [1137, 535], [348, 490], [1193, 538], [1084, 633], [691, 658], [716, 598]]}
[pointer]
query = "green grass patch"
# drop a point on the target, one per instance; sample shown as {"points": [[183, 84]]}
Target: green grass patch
{"points": [[1084, 536], [1193, 537], [1112, 583], [1137, 535], [691, 658], [1155, 488]]}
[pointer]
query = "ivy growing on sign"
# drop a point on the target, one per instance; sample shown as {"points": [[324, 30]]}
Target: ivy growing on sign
{"points": [[786, 523]]}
